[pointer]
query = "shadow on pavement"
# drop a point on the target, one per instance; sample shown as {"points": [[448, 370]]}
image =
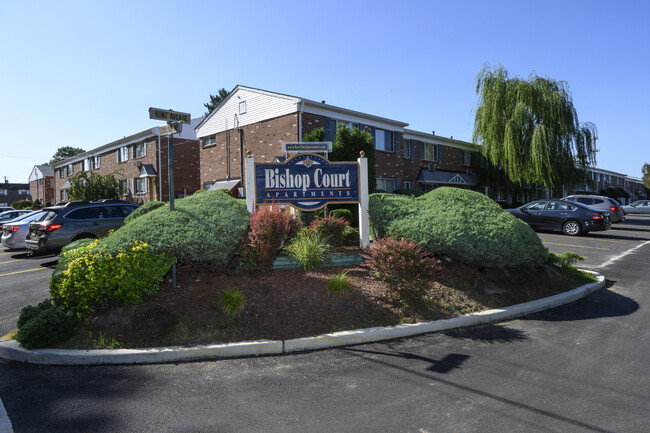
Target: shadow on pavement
{"points": [[444, 365], [491, 333], [603, 303]]}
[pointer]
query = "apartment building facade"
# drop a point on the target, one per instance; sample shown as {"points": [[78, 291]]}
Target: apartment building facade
{"points": [[13, 192], [140, 163], [258, 121]]}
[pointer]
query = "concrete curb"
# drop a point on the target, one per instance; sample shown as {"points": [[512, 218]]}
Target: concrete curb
{"points": [[11, 349]]}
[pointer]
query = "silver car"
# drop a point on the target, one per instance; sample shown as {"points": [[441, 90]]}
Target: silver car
{"points": [[600, 202], [14, 232], [639, 206], [12, 215]]}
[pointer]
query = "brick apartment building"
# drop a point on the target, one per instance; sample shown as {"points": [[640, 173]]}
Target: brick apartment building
{"points": [[12, 192], [139, 161], [41, 184], [259, 121]]}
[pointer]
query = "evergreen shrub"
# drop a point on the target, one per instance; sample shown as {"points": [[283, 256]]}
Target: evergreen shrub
{"points": [[45, 325], [147, 207], [204, 230], [346, 214], [309, 249], [462, 224], [22, 204]]}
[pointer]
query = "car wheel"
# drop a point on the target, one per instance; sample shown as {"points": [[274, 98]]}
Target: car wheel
{"points": [[571, 228]]}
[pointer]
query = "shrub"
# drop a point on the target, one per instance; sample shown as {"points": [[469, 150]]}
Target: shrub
{"points": [[45, 325], [204, 230], [402, 264], [346, 214], [89, 274], [22, 204], [147, 207], [409, 191], [231, 302], [309, 249], [458, 223], [351, 236], [339, 283], [269, 228], [330, 228], [566, 260]]}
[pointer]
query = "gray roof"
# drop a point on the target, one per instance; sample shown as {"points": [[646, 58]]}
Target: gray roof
{"points": [[447, 177], [224, 184], [46, 170], [147, 170]]}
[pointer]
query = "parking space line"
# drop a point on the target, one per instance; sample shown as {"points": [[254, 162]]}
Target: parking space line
{"points": [[576, 246], [20, 272], [590, 239], [14, 260]]}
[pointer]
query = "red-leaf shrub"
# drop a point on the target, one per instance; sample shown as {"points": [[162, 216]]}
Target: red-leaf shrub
{"points": [[269, 228], [404, 265], [331, 228]]}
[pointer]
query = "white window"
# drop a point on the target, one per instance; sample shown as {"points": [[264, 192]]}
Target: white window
{"points": [[61, 173], [465, 157], [408, 184], [209, 140], [139, 150], [123, 154], [385, 140], [140, 185], [69, 170], [97, 161], [242, 107], [23, 191], [430, 151], [3, 192], [124, 187], [387, 185]]}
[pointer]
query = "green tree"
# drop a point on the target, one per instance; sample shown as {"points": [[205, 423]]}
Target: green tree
{"points": [[92, 186], [530, 129], [646, 175], [64, 152], [347, 146], [215, 100]]}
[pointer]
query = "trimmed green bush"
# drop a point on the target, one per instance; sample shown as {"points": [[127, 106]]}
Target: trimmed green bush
{"points": [[330, 228], [45, 325], [87, 275], [22, 204], [462, 224], [351, 236], [346, 214], [145, 208], [204, 230]]}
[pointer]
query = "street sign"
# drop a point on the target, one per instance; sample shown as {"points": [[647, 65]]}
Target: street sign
{"points": [[169, 115], [171, 128]]}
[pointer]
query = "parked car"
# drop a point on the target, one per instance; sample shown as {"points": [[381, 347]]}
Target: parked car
{"points": [[639, 206], [616, 213], [573, 218], [10, 215], [14, 232], [6, 208], [76, 220]]}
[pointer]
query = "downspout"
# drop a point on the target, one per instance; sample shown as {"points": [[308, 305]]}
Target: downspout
{"points": [[302, 108]]}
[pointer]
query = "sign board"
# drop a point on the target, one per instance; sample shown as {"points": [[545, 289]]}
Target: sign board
{"points": [[307, 182], [307, 146], [171, 128], [169, 115]]}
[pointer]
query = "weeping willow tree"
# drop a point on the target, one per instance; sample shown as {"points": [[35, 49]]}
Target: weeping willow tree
{"points": [[530, 129]]}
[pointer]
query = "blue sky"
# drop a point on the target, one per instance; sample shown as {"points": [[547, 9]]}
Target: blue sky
{"points": [[84, 73]]}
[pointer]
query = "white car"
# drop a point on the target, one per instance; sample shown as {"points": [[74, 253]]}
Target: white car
{"points": [[15, 232], [639, 206]]}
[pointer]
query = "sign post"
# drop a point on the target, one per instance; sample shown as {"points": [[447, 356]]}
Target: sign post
{"points": [[175, 120]]}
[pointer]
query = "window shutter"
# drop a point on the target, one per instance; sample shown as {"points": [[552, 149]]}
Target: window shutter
{"points": [[397, 141], [398, 183], [328, 130], [388, 141], [361, 127], [374, 141], [439, 150], [412, 148], [421, 150]]}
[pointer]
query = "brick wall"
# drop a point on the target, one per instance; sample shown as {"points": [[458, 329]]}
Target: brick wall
{"points": [[186, 169], [262, 139], [43, 190]]}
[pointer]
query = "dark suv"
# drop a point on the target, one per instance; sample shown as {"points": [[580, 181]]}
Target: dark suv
{"points": [[76, 220], [600, 202]]}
